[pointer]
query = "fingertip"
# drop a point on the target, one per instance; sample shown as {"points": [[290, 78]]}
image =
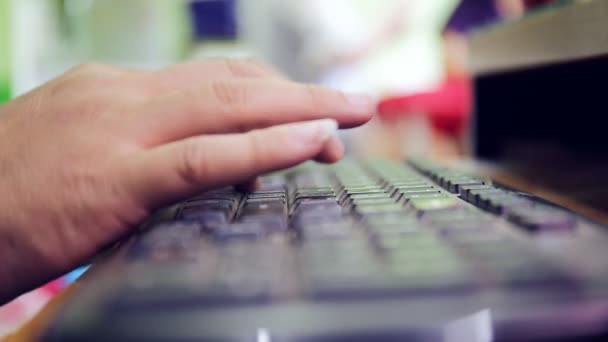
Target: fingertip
{"points": [[361, 109], [360, 103], [315, 132]]}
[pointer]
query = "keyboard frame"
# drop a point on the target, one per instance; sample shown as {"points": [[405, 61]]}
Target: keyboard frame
{"points": [[505, 315]]}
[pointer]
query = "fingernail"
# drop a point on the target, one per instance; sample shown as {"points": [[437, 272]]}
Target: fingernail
{"points": [[360, 103], [327, 128], [315, 131]]}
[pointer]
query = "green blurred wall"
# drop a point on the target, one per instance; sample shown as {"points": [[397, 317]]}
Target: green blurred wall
{"points": [[5, 93]]}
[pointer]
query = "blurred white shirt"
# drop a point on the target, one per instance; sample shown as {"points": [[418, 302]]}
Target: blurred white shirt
{"points": [[306, 38]]}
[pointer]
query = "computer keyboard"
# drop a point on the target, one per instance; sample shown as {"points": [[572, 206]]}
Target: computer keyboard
{"points": [[355, 232]]}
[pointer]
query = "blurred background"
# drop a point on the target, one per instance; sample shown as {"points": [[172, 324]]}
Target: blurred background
{"points": [[410, 54]]}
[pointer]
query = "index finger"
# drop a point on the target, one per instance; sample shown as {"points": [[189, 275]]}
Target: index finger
{"points": [[184, 75], [231, 106]]}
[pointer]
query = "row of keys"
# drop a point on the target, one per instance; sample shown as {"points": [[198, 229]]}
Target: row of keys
{"points": [[214, 207], [518, 209], [448, 179], [362, 230]]}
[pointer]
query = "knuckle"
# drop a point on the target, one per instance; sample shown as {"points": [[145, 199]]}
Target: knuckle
{"points": [[91, 68], [238, 68], [264, 67], [317, 97], [243, 67], [231, 95], [191, 168], [255, 149], [84, 76], [248, 68]]}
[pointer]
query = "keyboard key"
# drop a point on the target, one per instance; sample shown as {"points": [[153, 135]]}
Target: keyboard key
{"points": [[409, 194], [454, 186], [477, 197], [273, 183], [316, 192], [465, 190], [243, 230], [313, 203], [370, 201], [167, 241], [371, 209], [388, 219], [326, 230], [542, 219], [501, 204], [209, 205], [273, 207], [414, 242], [207, 211], [369, 195], [271, 222], [425, 205]]}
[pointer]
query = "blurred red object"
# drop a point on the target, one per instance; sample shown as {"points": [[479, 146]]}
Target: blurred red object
{"points": [[448, 107]]}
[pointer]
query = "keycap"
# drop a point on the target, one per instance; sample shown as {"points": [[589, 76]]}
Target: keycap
{"points": [[370, 201], [476, 197], [205, 217], [313, 203], [542, 219], [312, 193], [207, 211], [389, 219], [370, 209], [209, 205], [370, 280], [409, 194], [425, 205], [230, 195], [232, 274], [177, 230], [263, 207], [346, 194], [326, 230], [242, 230], [369, 195], [304, 215], [530, 272], [273, 183], [271, 222], [502, 204], [454, 186], [413, 242], [465, 190], [361, 188], [171, 240]]}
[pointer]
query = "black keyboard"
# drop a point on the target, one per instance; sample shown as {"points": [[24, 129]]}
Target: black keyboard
{"points": [[352, 244]]}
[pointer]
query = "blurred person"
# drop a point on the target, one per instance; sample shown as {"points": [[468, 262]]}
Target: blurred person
{"points": [[472, 14], [309, 38], [467, 16], [443, 110], [356, 45], [89, 155]]}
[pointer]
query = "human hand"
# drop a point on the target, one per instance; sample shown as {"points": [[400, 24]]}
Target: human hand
{"points": [[91, 154]]}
